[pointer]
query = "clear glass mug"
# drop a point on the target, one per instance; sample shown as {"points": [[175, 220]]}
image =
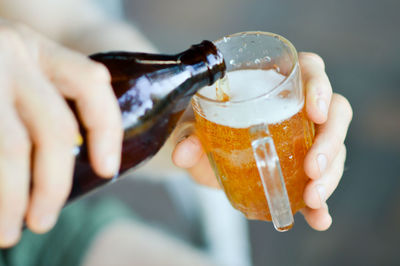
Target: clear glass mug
{"points": [[256, 142]]}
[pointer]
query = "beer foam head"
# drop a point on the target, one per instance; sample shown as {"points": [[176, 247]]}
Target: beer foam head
{"points": [[245, 108]]}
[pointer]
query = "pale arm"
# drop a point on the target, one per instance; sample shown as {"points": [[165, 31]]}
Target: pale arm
{"points": [[85, 27], [79, 24]]}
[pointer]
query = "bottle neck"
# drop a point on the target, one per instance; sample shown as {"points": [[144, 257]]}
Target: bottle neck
{"points": [[205, 61]]}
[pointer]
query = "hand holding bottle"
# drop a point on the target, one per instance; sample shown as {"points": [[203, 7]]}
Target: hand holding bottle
{"points": [[38, 131], [325, 160]]}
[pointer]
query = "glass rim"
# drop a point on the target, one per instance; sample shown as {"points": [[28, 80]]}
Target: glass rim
{"points": [[266, 94]]}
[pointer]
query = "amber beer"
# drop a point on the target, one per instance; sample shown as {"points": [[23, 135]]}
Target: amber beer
{"points": [[229, 147], [264, 104]]}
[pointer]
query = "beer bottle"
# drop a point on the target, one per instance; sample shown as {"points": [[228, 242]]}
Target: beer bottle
{"points": [[153, 90]]}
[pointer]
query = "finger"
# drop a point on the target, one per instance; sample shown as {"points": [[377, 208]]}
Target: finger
{"points": [[318, 191], [187, 153], [317, 86], [14, 174], [88, 84], [185, 126], [329, 138], [53, 131], [203, 173], [319, 219], [187, 147]]}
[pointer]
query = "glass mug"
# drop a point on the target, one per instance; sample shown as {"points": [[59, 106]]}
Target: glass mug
{"points": [[257, 140]]}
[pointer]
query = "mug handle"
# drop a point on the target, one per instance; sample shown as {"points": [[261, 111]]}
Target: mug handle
{"points": [[272, 180]]}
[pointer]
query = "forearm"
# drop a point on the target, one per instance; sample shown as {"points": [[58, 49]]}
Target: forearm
{"points": [[82, 26], [108, 35], [78, 24]]}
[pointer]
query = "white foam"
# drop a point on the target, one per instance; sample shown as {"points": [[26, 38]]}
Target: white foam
{"points": [[246, 85]]}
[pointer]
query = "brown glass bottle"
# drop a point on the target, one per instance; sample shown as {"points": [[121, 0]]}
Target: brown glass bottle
{"points": [[153, 90]]}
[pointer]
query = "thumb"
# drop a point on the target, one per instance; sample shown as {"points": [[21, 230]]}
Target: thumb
{"points": [[187, 147], [187, 151]]}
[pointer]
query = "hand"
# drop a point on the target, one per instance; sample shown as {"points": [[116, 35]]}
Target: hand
{"points": [[325, 160], [38, 130]]}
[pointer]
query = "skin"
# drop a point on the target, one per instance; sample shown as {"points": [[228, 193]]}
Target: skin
{"points": [[38, 130], [144, 242], [324, 162]]}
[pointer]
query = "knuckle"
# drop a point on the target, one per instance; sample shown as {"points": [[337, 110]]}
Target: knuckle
{"points": [[315, 57], [99, 72], [337, 144], [344, 105], [69, 128], [316, 82]]}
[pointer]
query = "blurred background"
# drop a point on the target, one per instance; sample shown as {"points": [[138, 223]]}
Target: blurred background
{"points": [[359, 40]]}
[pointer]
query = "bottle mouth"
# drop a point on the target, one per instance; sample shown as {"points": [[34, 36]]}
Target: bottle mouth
{"points": [[214, 60], [284, 44]]}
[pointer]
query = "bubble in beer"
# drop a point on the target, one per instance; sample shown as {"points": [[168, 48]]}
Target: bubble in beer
{"points": [[267, 59], [276, 67]]}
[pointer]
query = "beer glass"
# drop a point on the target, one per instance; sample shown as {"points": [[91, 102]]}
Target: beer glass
{"points": [[257, 140]]}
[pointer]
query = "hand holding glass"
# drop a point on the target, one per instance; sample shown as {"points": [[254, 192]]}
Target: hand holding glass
{"points": [[257, 140]]}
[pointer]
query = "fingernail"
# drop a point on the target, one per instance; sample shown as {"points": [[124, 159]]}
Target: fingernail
{"points": [[111, 164], [181, 138], [47, 221], [322, 193], [183, 131], [322, 161], [323, 107]]}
